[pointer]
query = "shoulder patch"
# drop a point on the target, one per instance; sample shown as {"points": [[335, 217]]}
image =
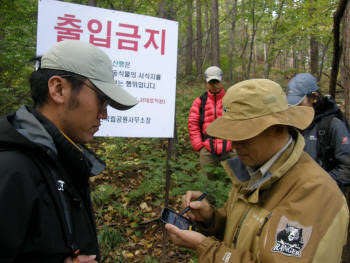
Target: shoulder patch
{"points": [[291, 237], [345, 140]]}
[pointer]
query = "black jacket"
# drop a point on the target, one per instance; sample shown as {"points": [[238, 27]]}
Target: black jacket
{"points": [[43, 180], [339, 140]]}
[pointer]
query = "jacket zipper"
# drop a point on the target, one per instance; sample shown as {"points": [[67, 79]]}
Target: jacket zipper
{"points": [[215, 106], [265, 221], [239, 228], [216, 143]]}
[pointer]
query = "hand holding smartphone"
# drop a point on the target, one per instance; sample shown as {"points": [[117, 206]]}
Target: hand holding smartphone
{"points": [[169, 216]]}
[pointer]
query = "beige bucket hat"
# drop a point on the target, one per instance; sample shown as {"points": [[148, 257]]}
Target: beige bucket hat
{"points": [[252, 106]]}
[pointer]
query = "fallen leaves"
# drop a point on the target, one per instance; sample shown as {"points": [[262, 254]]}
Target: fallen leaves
{"points": [[123, 214]]}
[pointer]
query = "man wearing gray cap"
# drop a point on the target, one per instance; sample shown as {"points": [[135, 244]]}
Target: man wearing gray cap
{"points": [[282, 207], [205, 109], [327, 138], [44, 167]]}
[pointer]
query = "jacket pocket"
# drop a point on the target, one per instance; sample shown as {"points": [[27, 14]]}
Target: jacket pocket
{"points": [[251, 227]]}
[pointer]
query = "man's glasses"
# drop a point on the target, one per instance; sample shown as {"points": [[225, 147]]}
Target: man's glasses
{"points": [[104, 101]]}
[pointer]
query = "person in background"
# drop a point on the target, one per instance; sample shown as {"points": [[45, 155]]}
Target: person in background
{"points": [[45, 207], [205, 109], [283, 207], [327, 138]]}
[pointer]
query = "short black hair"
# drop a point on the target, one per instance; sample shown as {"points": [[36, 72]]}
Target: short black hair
{"points": [[39, 83], [213, 81], [321, 101]]}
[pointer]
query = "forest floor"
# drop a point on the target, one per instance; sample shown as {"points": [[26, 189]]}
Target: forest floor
{"points": [[142, 242], [134, 233]]}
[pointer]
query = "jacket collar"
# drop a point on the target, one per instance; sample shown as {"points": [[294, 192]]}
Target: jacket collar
{"points": [[29, 128], [240, 177], [218, 95]]}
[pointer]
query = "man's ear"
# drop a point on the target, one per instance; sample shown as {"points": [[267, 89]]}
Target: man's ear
{"points": [[315, 97], [57, 89]]}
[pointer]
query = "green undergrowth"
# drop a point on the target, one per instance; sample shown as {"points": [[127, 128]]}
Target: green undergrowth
{"points": [[140, 163]]}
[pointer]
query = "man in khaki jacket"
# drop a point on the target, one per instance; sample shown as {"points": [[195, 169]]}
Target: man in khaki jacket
{"points": [[282, 207]]}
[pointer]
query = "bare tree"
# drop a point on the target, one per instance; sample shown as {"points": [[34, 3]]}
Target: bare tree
{"points": [[92, 2], [345, 80], [343, 12], [189, 40], [199, 50], [207, 52], [295, 58], [336, 45], [345, 65], [314, 50], [231, 17], [245, 40], [255, 24], [324, 52], [215, 45], [269, 60], [165, 9]]}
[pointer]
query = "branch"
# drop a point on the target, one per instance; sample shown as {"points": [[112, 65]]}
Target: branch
{"points": [[336, 46]]}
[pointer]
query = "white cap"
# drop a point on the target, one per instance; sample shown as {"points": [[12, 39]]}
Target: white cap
{"points": [[213, 72]]}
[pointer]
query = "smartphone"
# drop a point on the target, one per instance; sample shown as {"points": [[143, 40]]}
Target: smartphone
{"points": [[169, 216]]}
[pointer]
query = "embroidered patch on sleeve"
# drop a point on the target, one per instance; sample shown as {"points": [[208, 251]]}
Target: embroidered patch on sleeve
{"points": [[291, 237]]}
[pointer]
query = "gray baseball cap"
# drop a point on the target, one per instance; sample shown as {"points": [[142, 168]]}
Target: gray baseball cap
{"points": [[300, 86], [91, 62], [213, 72]]}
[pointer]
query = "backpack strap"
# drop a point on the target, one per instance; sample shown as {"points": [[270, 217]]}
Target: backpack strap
{"points": [[224, 146], [324, 147], [204, 98]]}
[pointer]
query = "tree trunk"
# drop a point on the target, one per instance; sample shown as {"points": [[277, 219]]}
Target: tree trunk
{"points": [[303, 62], [324, 51], [269, 57], [336, 46], [231, 14], [215, 45], [189, 40], [2, 37], [255, 60], [199, 52], [251, 39], [313, 45], [244, 49], [295, 59], [314, 56], [266, 62], [345, 65], [162, 12], [345, 78], [207, 52], [92, 2], [165, 9], [255, 24]]}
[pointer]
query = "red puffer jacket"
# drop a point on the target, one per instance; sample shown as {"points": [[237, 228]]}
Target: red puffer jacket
{"points": [[212, 111]]}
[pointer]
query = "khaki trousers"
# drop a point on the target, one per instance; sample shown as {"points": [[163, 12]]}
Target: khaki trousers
{"points": [[207, 160]]}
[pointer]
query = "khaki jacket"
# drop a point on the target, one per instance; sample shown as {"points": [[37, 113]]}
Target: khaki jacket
{"points": [[297, 215]]}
